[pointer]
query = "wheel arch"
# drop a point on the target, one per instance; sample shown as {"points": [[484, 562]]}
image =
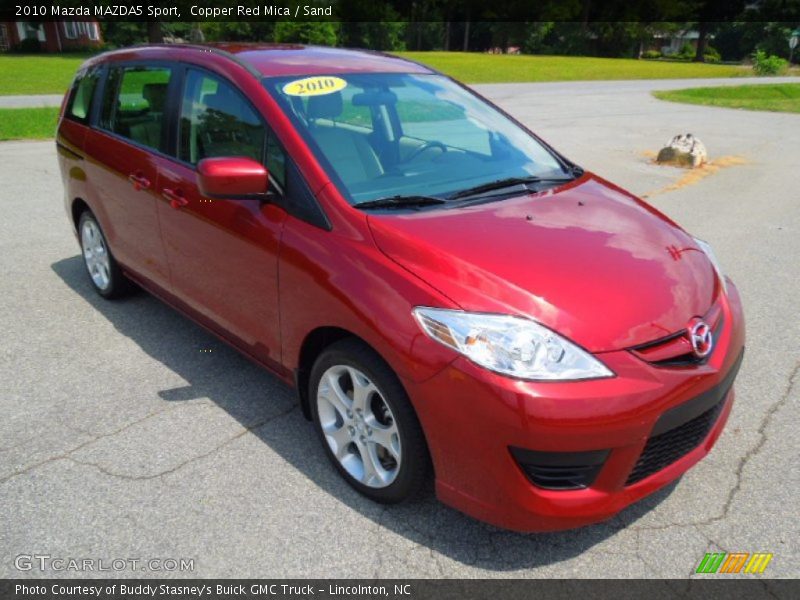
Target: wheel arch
{"points": [[314, 344], [76, 209]]}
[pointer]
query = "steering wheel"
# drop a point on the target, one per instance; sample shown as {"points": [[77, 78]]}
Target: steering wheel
{"points": [[424, 148]]}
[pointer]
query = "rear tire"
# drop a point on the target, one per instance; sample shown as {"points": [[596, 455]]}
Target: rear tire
{"points": [[366, 423], [104, 272]]}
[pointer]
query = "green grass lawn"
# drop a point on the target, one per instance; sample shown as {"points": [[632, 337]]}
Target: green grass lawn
{"points": [[27, 123], [472, 67], [784, 97], [51, 74], [37, 74]]}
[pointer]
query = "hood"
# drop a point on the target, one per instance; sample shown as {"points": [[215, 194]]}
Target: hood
{"points": [[587, 260]]}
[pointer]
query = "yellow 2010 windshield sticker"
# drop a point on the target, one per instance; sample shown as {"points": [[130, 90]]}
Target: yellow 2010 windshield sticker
{"points": [[314, 86]]}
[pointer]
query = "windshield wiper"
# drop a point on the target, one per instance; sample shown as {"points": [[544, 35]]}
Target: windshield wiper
{"points": [[505, 183], [400, 202]]}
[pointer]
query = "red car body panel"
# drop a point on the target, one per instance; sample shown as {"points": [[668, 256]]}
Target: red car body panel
{"points": [[617, 413], [124, 182], [211, 247], [587, 259]]}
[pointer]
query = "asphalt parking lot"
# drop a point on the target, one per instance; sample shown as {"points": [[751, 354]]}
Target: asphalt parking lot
{"points": [[127, 431]]}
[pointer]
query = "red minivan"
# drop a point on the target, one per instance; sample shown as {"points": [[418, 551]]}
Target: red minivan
{"points": [[450, 296]]}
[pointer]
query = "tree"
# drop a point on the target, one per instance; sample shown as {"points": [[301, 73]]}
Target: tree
{"points": [[236, 31], [154, 33], [375, 35], [322, 33], [709, 14]]}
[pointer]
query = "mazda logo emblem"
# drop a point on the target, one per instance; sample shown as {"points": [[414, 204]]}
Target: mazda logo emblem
{"points": [[701, 338]]}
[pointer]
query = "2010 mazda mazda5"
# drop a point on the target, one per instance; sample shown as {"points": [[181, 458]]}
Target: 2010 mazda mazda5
{"points": [[450, 296]]}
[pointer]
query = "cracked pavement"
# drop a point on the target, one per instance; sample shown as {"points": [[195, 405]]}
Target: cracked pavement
{"points": [[128, 431]]}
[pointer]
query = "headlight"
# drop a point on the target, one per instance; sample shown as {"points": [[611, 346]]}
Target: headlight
{"points": [[706, 248], [510, 345]]}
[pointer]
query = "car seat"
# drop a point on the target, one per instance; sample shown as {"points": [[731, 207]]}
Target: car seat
{"points": [[351, 155], [148, 130]]}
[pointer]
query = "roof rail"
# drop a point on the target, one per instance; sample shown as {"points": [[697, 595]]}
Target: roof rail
{"points": [[204, 48]]}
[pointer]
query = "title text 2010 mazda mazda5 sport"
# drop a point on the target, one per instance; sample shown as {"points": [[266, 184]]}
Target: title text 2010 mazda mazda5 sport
{"points": [[450, 296]]}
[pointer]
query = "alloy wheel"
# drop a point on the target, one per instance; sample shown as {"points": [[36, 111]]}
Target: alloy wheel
{"points": [[95, 254], [359, 426]]}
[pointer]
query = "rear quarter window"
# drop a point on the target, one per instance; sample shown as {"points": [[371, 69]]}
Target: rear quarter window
{"points": [[80, 103]]}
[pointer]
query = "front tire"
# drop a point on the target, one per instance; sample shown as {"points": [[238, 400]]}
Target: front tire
{"points": [[104, 272], [366, 423]]}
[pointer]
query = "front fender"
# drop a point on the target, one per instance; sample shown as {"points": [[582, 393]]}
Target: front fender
{"points": [[328, 279]]}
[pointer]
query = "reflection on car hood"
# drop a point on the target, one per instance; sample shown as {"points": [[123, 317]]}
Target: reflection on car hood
{"points": [[587, 259]]}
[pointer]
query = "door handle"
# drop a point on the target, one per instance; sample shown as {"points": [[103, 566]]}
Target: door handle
{"points": [[175, 197], [139, 181]]}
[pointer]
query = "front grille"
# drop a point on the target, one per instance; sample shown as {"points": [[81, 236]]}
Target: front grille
{"points": [[683, 428], [663, 450], [689, 359], [560, 470], [675, 350]]}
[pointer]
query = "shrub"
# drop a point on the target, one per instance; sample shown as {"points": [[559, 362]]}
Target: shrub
{"points": [[88, 48], [687, 51], [711, 55], [768, 65], [651, 54], [28, 46]]}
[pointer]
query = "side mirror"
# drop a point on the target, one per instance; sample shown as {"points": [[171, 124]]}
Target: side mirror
{"points": [[234, 177]]}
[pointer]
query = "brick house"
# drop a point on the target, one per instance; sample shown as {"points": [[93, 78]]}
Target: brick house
{"points": [[58, 36]]}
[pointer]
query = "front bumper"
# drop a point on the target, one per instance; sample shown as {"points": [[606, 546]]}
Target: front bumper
{"points": [[472, 419]]}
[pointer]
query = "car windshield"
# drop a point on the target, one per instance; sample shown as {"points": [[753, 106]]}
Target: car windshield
{"points": [[382, 135]]}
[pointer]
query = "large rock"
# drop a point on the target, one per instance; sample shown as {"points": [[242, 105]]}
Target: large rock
{"points": [[683, 150]]}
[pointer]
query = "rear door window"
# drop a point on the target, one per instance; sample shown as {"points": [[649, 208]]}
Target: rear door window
{"points": [[135, 104]]}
